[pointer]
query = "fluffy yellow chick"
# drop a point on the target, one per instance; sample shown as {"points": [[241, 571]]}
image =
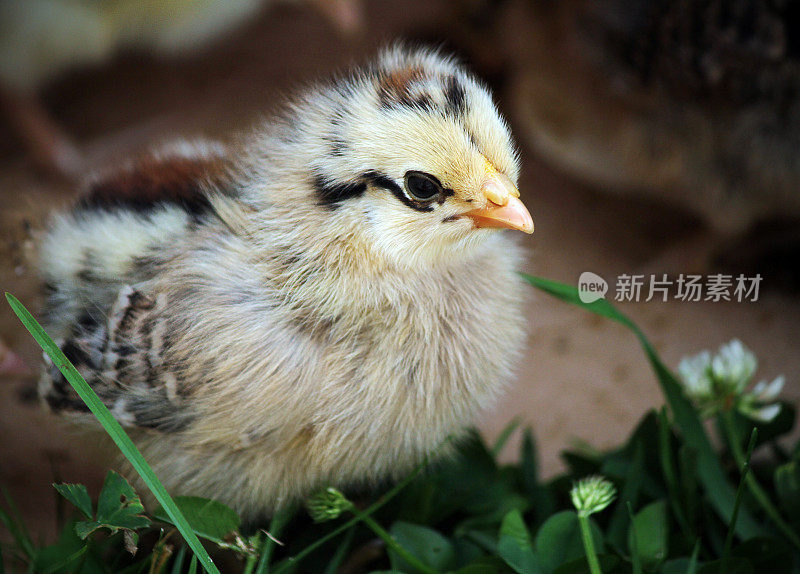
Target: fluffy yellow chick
{"points": [[323, 304], [693, 102], [41, 39]]}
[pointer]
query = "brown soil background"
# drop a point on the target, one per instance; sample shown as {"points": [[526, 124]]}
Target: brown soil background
{"points": [[583, 378]]}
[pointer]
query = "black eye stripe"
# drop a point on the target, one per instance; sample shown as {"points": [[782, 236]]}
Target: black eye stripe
{"points": [[384, 181], [332, 194]]}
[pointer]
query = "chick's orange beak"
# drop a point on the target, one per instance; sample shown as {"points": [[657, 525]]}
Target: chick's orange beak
{"points": [[504, 209]]}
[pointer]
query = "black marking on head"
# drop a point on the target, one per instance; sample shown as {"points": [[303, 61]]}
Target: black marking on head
{"points": [[450, 218], [455, 97], [335, 140], [396, 90], [332, 194], [338, 146], [422, 102], [473, 140], [384, 181]]}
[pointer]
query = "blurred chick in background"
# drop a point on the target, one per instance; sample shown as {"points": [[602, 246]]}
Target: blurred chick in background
{"points": [[41, 39], [323, 305], [696, 102]]}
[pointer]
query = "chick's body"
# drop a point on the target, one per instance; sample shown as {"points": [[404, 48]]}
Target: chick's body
{"points": [[695, 102], [303, 311]]}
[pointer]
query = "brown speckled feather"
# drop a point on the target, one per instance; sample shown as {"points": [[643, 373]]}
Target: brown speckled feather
{"points": [[113, 332]]}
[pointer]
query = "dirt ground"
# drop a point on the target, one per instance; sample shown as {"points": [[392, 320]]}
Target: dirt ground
{"points": [[583, 378]]}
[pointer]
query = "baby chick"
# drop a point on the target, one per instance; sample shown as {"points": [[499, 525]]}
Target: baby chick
{"points": [[323, 304], [693, 102], [42, 39]]}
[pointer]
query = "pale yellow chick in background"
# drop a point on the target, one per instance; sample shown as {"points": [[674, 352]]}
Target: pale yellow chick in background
{"points": [[42, 39]]}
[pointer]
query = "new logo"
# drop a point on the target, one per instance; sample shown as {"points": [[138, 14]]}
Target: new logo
{"points": [[591, 287]]}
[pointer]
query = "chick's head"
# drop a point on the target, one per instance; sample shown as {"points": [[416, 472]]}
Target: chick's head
{"points": [[411, 155]]}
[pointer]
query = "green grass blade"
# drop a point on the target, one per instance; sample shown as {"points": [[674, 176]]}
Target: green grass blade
{"points": [[114, 430], [745, 470], [719, 491], [256, 542], [279, 521], [16, 526], [341, 553], [8, 522], [177, 563], [758, 492], [617, 532], [505, 434], [692, 569], [193, 565], [79, 553], [285, 565], [665, 454], [670, 474], [636, 558], [689, 487]]}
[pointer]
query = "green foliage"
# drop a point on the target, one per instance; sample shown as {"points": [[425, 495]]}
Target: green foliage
{"points": [[118, 507], [787, 487], [426, 544], [208, 519], [112, 427], [677, 509], [559, 539], [650, 529], [515, 546], [77, 495]]}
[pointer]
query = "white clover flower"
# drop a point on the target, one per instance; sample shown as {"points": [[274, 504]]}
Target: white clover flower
{"points": [[754, 404], [592, 494], [733, 366], [718, 382], [695, 372]]}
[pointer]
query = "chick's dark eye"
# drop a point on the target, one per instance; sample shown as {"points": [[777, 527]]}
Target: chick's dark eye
{"points": [[421, 186]]}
